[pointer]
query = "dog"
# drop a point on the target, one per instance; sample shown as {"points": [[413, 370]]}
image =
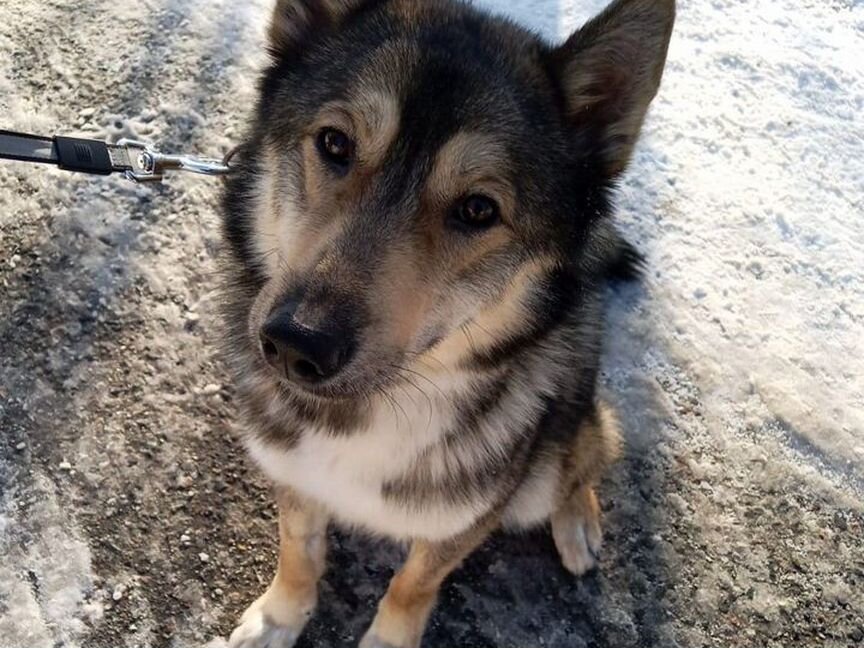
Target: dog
{"points": [[418, 240]]}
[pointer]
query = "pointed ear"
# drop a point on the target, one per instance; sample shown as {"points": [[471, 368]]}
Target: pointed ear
{"points": [[294, 22], [610, 70]]}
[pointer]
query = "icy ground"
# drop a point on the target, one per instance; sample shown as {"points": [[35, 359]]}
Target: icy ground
{"points": [[129, 516]]}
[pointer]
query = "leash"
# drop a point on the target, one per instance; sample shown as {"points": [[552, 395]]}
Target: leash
{"points": [[135, 160]]}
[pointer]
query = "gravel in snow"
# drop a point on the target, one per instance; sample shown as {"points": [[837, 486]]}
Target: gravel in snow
{"points": [[735, 517]]}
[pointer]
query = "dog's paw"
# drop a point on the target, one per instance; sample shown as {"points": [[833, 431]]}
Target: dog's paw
{"points": [[275, 620], [257, 631], [577, 534], [372, 640], [392, 629]]}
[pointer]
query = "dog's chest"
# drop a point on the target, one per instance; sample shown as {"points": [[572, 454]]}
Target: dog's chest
{"points": [[348, 473]]}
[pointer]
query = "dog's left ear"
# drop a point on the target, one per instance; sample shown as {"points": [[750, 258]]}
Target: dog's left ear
{"points": [[294, 22], [610, 70]]}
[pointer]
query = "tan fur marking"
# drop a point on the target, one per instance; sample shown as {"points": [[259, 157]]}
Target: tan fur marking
{"points": [[402, 289], [497, 238], [377, 124], [472, 163], [493, 324], [404, 610]]}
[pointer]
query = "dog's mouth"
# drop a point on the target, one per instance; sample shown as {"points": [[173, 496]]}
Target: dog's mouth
{"points": [[353, 385], [321, 393]]}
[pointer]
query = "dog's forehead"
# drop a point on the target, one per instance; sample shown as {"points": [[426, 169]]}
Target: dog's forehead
{"points": [[434, 102], [444, 69], [438, 76]]}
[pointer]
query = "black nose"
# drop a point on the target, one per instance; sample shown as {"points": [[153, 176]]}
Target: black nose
{"points": [[300, 353]]}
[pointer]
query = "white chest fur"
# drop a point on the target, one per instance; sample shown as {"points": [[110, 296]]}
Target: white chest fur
{"points": [[346, 473]]}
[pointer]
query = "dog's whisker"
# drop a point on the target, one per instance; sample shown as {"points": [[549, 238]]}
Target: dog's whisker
{"points": [[407, 394], [428, 402], [420, 375], [401, 409], [408, 380], [468, 337], [422, 359]]}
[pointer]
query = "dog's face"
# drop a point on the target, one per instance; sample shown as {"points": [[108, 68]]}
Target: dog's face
{"points": [[425, 179]]}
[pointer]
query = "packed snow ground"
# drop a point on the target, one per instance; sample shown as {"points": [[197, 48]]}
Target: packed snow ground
{"points": [[128, 515]]}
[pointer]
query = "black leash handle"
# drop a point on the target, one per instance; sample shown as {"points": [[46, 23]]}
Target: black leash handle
{"points": [[68, 153], [136, 160]]}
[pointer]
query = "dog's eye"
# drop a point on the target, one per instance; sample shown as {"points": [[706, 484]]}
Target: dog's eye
{"points": [[475, 212], [336, 147]]}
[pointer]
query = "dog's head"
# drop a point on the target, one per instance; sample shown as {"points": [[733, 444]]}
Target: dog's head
{"points": [[423, 178]]}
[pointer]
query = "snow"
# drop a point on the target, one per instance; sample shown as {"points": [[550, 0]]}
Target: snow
{"points": [[54, 556], [737, 364]]}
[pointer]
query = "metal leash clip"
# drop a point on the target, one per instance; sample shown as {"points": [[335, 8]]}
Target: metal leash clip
{"points": [[145, 164]]}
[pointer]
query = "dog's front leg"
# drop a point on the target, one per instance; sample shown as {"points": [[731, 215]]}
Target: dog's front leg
{"points": [[276, 619], [404, 610]]}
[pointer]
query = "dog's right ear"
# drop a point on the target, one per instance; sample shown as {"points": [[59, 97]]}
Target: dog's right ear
{"points": [[295, 21]]}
